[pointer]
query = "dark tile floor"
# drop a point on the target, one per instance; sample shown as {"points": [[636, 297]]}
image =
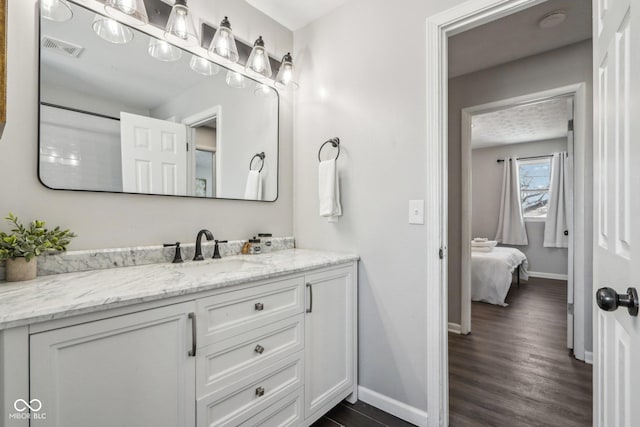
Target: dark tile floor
{"points": [[359, 415]]}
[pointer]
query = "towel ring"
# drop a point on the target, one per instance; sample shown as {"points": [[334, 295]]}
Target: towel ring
{"points": [[261, 156], [336, 144]]}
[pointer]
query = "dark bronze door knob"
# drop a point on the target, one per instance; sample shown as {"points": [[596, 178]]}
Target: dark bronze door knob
{"points": [[609, 300]]}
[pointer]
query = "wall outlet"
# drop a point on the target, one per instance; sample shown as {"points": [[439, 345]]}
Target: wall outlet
{"points": [[416, 211]]}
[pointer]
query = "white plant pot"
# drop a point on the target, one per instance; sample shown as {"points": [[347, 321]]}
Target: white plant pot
{"points": [[19, 269]]}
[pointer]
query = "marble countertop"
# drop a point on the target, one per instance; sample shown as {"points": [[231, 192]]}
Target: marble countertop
{"points": [[63, 295]]}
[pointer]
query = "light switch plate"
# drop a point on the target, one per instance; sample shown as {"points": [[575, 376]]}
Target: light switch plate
{"points": [[416, 211]]}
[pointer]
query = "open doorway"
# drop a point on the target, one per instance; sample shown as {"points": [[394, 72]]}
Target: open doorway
{"points": [[504, 370]]}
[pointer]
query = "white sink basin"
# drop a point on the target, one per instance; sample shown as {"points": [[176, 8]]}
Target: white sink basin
{"points": [[216, 266]]}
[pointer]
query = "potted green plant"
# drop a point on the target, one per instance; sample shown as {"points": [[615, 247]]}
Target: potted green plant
{"points": [[20, 248]]}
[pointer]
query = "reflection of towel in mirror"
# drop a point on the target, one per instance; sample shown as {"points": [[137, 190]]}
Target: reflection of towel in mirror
{"points": [[253, 190], [486, 244], [481, 249], [329, 190]]}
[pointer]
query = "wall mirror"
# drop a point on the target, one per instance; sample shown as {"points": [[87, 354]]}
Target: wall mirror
{"points": [[121, 111]]}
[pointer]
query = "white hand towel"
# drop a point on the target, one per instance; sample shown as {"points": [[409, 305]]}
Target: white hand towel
{"points": [[329, 190], [487, 244], [480, 239], [253, 190], [481, 249]]}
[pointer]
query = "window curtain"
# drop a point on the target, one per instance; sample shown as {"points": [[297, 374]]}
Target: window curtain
{"points": [[557, 222], [511, 230]]}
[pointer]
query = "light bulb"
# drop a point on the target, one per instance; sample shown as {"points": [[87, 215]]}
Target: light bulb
{"points": [[258, 62], [223, 44], [111, 31], [235, 79], [285, 77], [180, 27], [163, 50], [56, 10], [130, 12], [202, 66]]}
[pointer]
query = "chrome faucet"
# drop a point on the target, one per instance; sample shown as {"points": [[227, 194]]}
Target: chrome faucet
{"points": [[198, 256]]}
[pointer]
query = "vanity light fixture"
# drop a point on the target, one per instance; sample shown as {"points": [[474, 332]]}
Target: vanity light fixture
{"points": [[130, 12], [258, 62], [163, 50], [235, 79], [180, 28], [223, 44], [203, 66], [286, 74], [55, 10], [111, 31]]}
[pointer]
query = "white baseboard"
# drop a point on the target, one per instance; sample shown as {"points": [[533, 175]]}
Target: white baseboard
{"points": [[401, 410], [542, 275], [455, 328], [588, 357]]}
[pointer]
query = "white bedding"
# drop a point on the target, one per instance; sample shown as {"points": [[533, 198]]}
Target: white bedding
{"points": [[491, 273]]}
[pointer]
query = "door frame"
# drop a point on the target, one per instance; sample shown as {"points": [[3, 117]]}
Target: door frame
{"points": [[578, 152], [195, 120], [439, 27]]}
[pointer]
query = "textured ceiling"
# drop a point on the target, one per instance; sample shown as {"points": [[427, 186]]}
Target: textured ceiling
{"points": [[295, 14], [518, 36], [526, 123]]}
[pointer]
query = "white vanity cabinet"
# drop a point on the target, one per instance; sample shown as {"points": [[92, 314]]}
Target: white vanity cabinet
{"points": [[132, 370], [275, 352]]}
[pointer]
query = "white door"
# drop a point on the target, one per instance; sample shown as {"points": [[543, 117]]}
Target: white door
{"points": [[329, 339], [154, 155], [133, 370], [616, 209]]}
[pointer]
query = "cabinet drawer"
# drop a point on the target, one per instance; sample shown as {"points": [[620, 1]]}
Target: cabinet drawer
{"points": [[220, 364], [239, 402], [284, 413], [226, 315]]}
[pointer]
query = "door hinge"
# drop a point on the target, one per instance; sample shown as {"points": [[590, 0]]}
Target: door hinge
{"points": [[570, 127], [441, 253], [187, 147], [570, 308]]}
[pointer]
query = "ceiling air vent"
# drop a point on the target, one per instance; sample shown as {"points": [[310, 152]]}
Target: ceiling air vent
{"points": [[61, 47]]}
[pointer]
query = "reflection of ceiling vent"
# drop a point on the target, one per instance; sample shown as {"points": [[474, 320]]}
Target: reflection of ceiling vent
{"points": [[63, 48]]}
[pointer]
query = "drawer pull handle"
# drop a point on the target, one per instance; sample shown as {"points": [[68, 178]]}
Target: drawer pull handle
{"points": [[194, 335], [310, 287], [259, 349], [259, 306], [260, 391]]}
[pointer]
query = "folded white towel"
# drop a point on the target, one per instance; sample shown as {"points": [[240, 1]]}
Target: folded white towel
{"points": [[329, 190], [481, 249], [253, 190], [480, 239], [487, 244]]}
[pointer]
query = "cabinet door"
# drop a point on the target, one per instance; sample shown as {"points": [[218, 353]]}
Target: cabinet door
{"points": [[330, 339], [132, 370]]}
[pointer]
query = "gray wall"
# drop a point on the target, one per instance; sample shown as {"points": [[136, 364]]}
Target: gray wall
{"points": [[116, 220], [351, 87], [487, 185], [561, 67]]}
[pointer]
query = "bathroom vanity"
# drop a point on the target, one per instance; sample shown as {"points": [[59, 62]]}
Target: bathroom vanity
{"points": [[267, 340]]}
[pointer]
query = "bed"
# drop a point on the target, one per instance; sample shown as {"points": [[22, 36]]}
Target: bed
{"points": [[492, 273]]}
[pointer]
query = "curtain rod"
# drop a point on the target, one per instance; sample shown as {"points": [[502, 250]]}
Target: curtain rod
{"points": [[529, 158]]}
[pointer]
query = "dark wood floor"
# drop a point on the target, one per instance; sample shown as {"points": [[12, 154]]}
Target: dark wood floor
{"points": [[514, 369], [359, 415]]}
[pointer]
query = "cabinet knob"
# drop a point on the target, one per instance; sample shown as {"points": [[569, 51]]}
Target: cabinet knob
{"points": [[259, 306], [259, 349], [260, 391]]}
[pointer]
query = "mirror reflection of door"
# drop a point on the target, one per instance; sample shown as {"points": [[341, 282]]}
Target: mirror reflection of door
{"points": [[205, 137]]}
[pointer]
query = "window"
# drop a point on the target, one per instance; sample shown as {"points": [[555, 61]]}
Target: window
{"points": [[535, 180]]}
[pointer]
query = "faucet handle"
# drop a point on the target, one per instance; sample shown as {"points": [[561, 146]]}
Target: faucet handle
{"points": [[216, 250], [177, 258]]}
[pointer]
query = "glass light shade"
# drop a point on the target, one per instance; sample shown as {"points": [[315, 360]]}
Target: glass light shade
{"points": [[111, 31], [180, 28], [264, 91], [55, 10], [286, 74], [258, 62], [235, 80], [223, 44], [130, 12], [163, 50], [203, 66]]}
